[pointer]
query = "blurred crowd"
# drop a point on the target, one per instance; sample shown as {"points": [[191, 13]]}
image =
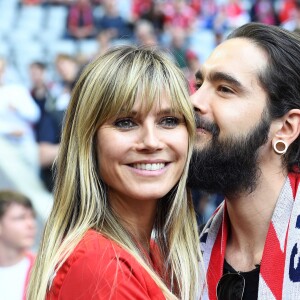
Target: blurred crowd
{"points": [[32, 103]]}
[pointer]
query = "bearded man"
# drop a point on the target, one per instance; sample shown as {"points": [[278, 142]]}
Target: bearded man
{"points": [[247, 108]]}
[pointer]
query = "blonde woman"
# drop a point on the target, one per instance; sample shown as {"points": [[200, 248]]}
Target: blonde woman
{"points": [[122, 225]]}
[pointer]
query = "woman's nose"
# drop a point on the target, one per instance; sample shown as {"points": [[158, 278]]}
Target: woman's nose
{"points": [[150, 139]]}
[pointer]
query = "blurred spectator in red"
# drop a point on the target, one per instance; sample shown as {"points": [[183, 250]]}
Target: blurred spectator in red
{"points": [[31, 2], [112, 20], [80, 20], [263, 11], [293, 23], [286, 10], [196, 5], [17, 236], [140, 7], [235, 13], [178, 13], [228, 16], [154, 14], [145, 34], [234, 8]]}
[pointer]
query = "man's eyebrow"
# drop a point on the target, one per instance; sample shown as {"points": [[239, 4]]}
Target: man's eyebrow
{"points": [[221, 76]]}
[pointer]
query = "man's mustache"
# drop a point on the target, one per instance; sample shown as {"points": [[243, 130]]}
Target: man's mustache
{"points": [[209, 126]]}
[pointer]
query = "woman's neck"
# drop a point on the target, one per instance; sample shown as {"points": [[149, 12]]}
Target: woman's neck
{"points": [[137, 217]]}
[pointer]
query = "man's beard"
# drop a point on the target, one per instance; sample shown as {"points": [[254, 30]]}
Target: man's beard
{"points": [[228, 166]]}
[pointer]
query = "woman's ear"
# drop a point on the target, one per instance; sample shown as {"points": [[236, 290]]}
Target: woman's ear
{"points": [[290, 127]]}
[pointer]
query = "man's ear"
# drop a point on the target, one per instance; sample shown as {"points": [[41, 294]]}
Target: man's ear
{"points": [[290, 127]]}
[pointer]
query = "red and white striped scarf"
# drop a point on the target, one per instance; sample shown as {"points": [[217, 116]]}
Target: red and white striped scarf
{"points": [[279, 276]]}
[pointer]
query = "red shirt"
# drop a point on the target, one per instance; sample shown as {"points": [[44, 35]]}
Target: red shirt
{"points": [[98, 268]]}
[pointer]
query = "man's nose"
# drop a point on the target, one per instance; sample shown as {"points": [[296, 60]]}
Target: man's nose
{"points": [[200, 100]]}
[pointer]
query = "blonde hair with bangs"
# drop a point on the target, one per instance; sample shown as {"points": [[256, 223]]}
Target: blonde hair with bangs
{"points": [[106, 88]]}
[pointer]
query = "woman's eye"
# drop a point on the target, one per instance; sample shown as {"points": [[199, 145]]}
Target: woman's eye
{"points": [[169, 122], [124, 123]]}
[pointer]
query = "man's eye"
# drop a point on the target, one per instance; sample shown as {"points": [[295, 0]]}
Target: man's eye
{"points": [[124, 123], [169, 122], [197, 85], [225, 89]]}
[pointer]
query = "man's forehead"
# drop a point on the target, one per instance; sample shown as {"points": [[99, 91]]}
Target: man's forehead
{"points": [[239, 58]]}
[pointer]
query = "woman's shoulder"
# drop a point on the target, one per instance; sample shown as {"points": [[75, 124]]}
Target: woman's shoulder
{"points": [[92, 241], [99, 267], [96, 248]]}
